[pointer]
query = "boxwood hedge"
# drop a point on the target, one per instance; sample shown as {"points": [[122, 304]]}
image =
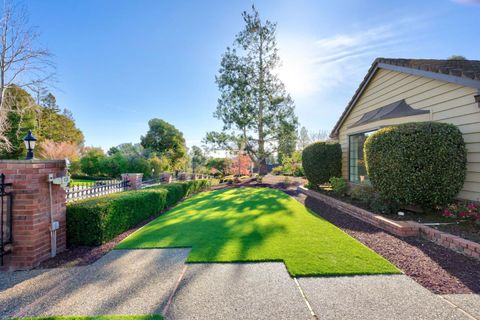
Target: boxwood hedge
{"points": [[422, 163], [97, 220], [322, 161]]}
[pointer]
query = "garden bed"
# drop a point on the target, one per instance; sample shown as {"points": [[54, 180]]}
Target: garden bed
{"points": [[464, 230], [438, 269]]}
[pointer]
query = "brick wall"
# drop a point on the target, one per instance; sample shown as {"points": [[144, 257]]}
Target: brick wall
{"points": [[31, 211], [134, 179], [400, 228]]}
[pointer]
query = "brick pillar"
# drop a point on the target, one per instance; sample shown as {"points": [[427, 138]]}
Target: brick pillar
{"points": [[134, 179], [166, 177], [31, 211], [182, 176]]}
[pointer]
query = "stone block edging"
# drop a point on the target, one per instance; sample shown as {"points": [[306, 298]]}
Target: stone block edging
{"points": [[400, 228]]}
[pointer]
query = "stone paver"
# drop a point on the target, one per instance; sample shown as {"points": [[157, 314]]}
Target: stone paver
{"points": [[468, 302], [238, 291], [375, 297], [122, 282]]}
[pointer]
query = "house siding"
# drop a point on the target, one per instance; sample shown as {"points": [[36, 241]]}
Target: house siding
{"points": [[447, 102]]}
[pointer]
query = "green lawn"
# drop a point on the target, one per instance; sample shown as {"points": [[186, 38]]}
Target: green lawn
{"points": [[125, 317], [258, 224], [76, 182]]}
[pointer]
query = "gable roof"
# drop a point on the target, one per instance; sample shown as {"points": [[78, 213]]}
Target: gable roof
{"points": [[463, 72]]}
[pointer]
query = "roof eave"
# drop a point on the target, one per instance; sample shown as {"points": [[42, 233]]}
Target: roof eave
{"points": [[418, 72]]}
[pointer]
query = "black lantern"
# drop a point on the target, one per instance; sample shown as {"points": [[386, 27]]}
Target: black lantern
{"points": [[29, 144]]}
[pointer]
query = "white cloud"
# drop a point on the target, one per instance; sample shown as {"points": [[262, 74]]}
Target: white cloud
{"points": [[312, 66]]}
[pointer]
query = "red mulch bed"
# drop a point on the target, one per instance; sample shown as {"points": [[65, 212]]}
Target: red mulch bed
{"points": [[438, 269], [85, 255]]}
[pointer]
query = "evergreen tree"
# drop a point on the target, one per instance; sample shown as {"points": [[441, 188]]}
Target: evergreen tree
{"points": [[254, 106]]}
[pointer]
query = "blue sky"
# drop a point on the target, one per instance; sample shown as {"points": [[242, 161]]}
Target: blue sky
{"points": [[121, 63]]}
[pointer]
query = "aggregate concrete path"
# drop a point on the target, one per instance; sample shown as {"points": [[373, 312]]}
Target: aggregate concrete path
{"points": [[238, 291], [157, 281], [468, 302], [122, 282], [376, 297]]}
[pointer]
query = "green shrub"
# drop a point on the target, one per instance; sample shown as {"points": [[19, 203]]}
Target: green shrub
{"points": [[322, 161], [97, 220], [421, 163], [277, 170], [365, 194], [339, 185]]}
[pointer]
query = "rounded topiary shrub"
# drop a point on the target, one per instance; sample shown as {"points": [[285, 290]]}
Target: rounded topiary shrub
{"points": [[421, 163], [322, 161]]}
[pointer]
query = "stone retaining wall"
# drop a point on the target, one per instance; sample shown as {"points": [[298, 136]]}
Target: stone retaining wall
{"points": [[400, 228]]}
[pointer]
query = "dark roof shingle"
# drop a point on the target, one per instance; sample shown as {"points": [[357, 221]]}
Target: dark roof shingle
{"points": [[461, 68]]}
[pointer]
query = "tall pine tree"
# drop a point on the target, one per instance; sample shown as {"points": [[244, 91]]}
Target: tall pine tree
{"points": [[254, 106]]}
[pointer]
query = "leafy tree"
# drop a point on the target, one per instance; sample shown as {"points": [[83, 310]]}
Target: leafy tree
{"points": [[159, 165], [287, 142], [114, 165], [166, 140], [127, 149], [253, 105], [197, 157], [92, 161], [139, 164], [55, 126], [221, 165], [240, 165], [50, 102], [456, 57], [292, 165], [20, 117]]}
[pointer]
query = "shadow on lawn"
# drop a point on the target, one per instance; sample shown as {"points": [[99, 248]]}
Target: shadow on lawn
{"points": [[212, 222]]}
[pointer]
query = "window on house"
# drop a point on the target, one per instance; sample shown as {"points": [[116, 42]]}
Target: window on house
{"points": [[357, 169]]}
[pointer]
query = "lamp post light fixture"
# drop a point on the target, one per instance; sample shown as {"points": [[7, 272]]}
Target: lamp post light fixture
{"points": [[29, 144]]}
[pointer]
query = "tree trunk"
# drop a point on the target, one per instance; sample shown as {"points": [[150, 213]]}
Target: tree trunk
{"points": [[262, 167]]}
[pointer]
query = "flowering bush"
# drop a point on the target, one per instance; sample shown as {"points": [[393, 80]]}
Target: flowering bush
{"points": [[464, 211]]}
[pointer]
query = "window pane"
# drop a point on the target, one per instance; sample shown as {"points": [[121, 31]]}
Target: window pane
{"points": [[358, 171]]}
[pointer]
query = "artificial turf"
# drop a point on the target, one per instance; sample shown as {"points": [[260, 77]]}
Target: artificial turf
{"points": [[114, 317], [258, 224]]}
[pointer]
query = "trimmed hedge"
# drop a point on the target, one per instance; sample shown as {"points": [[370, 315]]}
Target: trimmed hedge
{"points": [[422, 163], [322, 161], [98, 220]]}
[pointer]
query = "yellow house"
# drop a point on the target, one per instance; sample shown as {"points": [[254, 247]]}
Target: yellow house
{"points": [[396, 91]]}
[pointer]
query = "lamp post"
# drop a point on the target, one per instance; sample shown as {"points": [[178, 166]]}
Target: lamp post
{"points": [[29, 141]]}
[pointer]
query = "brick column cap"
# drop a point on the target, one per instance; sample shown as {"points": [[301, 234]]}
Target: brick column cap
{"points": [[35, 161], [132, 175]]}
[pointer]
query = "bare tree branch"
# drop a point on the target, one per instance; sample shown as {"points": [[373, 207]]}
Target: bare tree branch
{"points": [[22, 62]]}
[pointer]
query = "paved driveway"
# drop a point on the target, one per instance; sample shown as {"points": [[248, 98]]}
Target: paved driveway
{"points": [[156, 281]]}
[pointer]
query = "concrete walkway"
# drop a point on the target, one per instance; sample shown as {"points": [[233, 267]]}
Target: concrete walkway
{"points": [[156, 281]]}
